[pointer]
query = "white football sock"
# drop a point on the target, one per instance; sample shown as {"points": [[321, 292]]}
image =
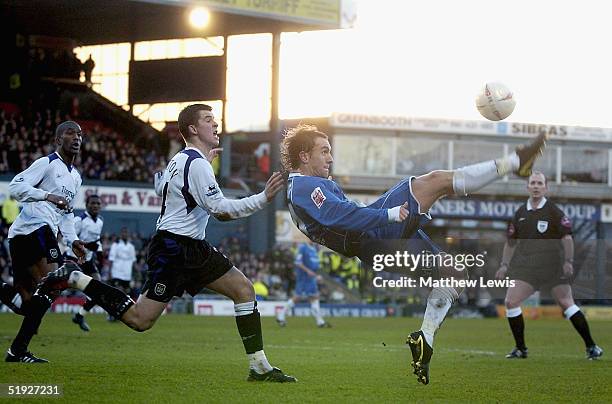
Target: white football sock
{"points": [[515, 312], [282, 314], [244, 309], [78, 280], [473, 177], [573, 309], [438, 303], [259, 363], [17, 300], [82, 311], [507, 164], [315, 309]]}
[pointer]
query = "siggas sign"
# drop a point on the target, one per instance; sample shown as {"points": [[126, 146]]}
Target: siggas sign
{"points": [[535, 129], [432, 125]]}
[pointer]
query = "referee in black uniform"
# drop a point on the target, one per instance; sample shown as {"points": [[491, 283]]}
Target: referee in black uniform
{"points": [[541, 235]]}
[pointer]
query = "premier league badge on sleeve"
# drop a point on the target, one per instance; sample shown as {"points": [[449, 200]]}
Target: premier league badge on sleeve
{"points": [[318, 197], [212, 190], [542, 226]]}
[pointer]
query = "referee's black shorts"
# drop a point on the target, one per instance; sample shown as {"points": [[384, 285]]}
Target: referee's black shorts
{"points": [[541, 277], [177, 264]]}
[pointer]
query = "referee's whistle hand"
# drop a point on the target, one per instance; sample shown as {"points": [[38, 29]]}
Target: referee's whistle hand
{"points": [[501, 273], [568, 270]]}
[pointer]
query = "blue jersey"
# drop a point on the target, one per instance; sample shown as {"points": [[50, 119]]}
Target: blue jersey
{"points": [[326, 216], [306, 255]]}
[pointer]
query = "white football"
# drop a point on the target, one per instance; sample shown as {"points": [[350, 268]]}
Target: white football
{"points": [[495, 101]]}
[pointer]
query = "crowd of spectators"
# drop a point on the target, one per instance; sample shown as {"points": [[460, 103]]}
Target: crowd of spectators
{"points": [[105, 154]]}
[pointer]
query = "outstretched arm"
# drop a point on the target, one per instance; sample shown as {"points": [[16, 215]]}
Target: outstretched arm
{"points": [[208, 195], [324, 206]]}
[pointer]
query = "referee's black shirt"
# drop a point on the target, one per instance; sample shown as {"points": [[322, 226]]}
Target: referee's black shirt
{"points": [[539, 231]]}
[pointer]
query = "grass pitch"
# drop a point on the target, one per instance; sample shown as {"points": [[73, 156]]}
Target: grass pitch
{"points": [[186, 358]]}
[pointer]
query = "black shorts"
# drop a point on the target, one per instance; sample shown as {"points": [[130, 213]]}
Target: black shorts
{"points": [[178, 264], [27, 250], [541, 278], [88, 267], [121, 284]]}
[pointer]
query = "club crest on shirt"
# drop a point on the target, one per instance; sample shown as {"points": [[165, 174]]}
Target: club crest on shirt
{"points": [[160, 288], [318, 197], [212, 190], [542, 226], [53, 253]]}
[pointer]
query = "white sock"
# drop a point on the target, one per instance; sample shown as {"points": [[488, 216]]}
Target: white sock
{"points": [[78, 280], [17, 300], [507, 164], [259, 363], [438, 303], [515, 312], [282, 314], [244, 309], [82, 311], [573, 309], [473, 177], [315, 309]]}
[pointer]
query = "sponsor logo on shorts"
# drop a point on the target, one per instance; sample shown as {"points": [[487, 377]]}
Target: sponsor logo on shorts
{"points": [[318, 197], [542, 226], [160, 288], [53, 253]]}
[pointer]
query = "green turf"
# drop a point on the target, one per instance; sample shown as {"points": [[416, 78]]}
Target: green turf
{"points": [[201, 359]]}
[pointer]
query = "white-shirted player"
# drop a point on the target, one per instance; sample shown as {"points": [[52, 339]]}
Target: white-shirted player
{"points": [[46, 189], [179, 258], [88, 227]]}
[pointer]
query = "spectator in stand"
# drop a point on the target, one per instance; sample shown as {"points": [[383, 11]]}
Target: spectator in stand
{"points": [[105, 154], [88, 67]]}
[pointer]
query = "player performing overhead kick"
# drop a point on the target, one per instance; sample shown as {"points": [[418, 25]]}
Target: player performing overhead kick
{"points": [[323, 213]]}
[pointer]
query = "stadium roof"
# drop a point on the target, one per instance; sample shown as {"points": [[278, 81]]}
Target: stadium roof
{"points": [[110, 21]]}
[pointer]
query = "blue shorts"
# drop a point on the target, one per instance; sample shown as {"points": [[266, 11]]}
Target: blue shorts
{"points": [[306, 287], [394, 233], [396, 196]]}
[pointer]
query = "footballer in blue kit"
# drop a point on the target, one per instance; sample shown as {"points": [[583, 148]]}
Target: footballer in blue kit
{"points": [[306, 267], [393, 222]]}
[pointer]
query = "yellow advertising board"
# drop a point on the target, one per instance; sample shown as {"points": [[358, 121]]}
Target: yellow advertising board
{"points": [[322, 12]]}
